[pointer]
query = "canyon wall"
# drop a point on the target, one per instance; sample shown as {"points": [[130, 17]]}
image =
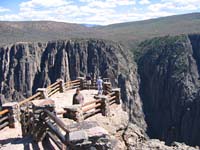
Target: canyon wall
{"points": [[169, 88]]}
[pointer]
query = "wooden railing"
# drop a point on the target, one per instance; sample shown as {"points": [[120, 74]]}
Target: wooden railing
{"points": [[45, 125], [54, 132], [6, 119], [39, 120], [112, 98], [53, 88], [99, 105], [37, 95], [72, 84], [91, 108], [88, 109]]}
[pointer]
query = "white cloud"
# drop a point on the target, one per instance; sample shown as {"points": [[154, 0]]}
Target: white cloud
{"points": [[44, 3], [161, 6], [144, 2], [98, 11], [2, 9], [175, 6]]}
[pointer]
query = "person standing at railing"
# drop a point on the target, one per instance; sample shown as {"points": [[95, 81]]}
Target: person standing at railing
{"points": [[100, 86], [78, 97], [88, 79]]}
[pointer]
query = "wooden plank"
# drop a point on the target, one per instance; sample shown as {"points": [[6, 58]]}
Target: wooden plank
{"points": [[112, 98], [56, 132], [55, 140], [75, 81], [90, 107], [53, 88], [53, 92], [36, 95], [4, 125], [91, 102], [57, 120], [74, 87], [78, 83], [110, 94], [3, 119], [111, 103], [52, 85], [4, 112], [89, 114]]}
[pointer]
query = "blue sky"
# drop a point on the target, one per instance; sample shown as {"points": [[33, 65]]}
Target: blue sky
{"points": [[100, 12]]}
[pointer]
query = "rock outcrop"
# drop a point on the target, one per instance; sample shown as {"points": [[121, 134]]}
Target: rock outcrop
{"points": [[164, 87], [169, 88], [24, 67]]}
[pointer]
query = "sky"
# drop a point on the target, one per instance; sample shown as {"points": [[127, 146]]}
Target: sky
{"points": [[98, 12]]}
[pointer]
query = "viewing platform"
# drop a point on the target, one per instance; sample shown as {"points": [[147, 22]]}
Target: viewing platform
{"points": [[49, 114]]}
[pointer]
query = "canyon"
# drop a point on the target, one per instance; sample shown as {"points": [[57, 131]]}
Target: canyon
{"points": [[158, 77]]}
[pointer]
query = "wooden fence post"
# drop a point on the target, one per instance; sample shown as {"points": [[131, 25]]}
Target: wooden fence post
{"points": [[74, 112], [62, 85], [117, 94], [11, 119], [105, 109], [82, 80], [106, 88], [44, 92], [79, 115], [13, 113]]}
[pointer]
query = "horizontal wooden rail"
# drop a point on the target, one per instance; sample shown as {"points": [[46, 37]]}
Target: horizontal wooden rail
{"points": [[90, 107], [72, 84], [91, 102], [75, 84], [4, 119], [89, 114], [56, 120], [53, 92], [4, 112], [55, 140], [75, 81], [36, 95], [4, 125], [112, 98], [52, 85], [110, 94], [111, 102], [53, 88], [54, 130]]}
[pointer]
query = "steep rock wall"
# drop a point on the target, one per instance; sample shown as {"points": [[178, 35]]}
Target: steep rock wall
{"points": [[169, 88]]}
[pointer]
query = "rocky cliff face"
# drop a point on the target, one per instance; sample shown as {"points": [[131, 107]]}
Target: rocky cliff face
{"points": [[24, 67], [169, 88]]}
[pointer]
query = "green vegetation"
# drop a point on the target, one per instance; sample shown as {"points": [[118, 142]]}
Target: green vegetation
{"points": [[165, 51], [157, 44], [141, 30], [129, 34]]}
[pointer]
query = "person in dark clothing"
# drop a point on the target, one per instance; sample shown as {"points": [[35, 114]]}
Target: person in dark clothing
{"points": [[88, 79], [0, 104], [78, 97]]}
